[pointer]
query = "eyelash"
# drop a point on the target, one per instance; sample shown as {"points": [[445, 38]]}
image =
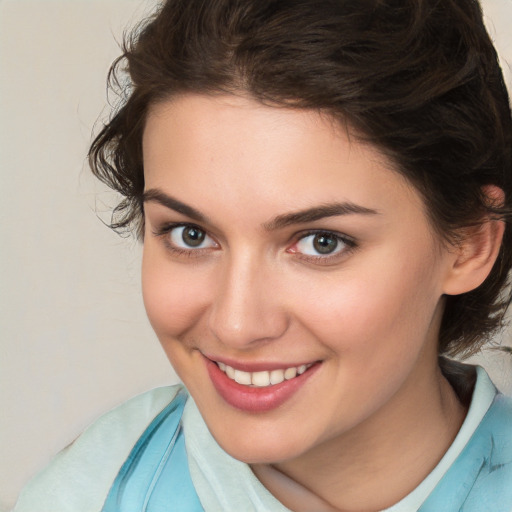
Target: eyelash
{"points": [[349, 243]]}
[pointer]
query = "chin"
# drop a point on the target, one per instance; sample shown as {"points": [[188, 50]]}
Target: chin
{"points": [[269, 447]]}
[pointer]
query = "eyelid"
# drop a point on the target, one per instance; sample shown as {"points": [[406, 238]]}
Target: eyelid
{"points": [[166, 227]]}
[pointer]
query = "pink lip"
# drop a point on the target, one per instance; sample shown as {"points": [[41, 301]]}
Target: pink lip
{"points": [[254, 399]]}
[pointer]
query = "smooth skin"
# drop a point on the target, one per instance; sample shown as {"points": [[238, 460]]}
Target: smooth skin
{"points": [[358, 288]]}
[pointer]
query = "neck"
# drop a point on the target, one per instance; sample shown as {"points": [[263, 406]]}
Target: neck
{"points": [[380, 461]]}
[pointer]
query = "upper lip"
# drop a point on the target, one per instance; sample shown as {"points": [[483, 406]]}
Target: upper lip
{"points": [[256, 366]]}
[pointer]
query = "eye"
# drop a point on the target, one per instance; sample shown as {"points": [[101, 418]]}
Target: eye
{"points": [[186, 238], [189, 237], [321, 244]]}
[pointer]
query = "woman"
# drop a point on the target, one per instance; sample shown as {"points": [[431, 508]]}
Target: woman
{"points": [[323, 193]]}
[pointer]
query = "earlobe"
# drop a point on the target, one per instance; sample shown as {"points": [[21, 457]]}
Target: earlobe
{"points": [[475, 255]]}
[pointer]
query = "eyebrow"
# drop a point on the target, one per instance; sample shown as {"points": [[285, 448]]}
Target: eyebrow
{"points": [[158, 196], [318, 213], [302, 216]]}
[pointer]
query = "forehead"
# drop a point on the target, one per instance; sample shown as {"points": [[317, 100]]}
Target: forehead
{"points": [[224, 153]]}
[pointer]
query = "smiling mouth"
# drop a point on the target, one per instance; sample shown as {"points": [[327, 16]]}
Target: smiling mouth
{"points": [[262, 379], [259, 390]]}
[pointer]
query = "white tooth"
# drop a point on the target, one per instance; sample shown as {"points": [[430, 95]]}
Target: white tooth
{"points": [[290, 373], [230, 372], [261, 379], [242, 377], [276, 376], [301, 369], [222, 366]]}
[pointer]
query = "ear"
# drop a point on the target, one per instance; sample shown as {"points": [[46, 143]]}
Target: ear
{"points": [[476, 253]]}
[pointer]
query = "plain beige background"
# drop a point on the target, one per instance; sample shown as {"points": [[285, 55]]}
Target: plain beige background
{"points": [[75, 340]]}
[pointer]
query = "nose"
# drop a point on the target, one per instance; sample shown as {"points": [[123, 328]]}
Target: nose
{"points": [[246, 308]]}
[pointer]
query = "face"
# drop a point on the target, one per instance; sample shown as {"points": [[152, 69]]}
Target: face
{"points": [[290, 274]]}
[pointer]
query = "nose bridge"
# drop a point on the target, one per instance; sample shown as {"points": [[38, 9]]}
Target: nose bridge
{"points": [[244, 310]]}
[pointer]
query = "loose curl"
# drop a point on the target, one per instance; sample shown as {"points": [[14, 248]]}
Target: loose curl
{"points": [[418, 79]]}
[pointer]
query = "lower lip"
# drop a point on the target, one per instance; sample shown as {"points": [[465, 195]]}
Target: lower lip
{"points": [[255, 399]]}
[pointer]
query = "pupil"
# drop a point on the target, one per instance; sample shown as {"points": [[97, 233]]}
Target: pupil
{"points": [[193, 236], [325, 244]]}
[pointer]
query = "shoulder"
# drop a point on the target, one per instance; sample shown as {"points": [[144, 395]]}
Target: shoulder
{"points": [[492, 488], [79, 477], [480, 477]]}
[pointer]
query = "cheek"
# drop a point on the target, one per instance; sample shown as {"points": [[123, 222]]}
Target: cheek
{"points": [[173, 298], [380, 307]]}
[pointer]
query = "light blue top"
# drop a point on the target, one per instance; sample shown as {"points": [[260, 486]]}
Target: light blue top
{"points": [[175, 464], [156, 474]]}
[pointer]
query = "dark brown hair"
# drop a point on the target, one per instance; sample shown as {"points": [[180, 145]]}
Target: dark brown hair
{"points": [[419, 79]]}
